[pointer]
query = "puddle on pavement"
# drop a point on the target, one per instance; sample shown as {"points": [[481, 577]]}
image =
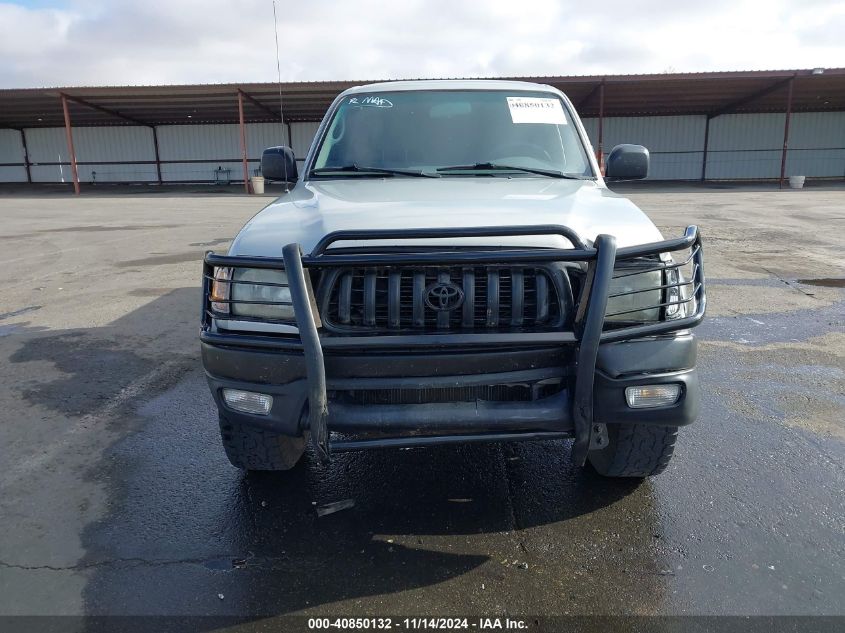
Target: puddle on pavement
{"points": [[829, 282]]}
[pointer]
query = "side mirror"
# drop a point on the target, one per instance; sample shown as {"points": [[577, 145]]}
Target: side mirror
{"points": [[627, 162], [278, 163]]}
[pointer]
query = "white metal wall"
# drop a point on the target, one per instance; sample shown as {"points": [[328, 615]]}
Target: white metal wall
{"points": [[301, 136], [199, 142], [740, 146], [133, 148], [220, 145], [11, 151], [47, 145], [675, 142], [749, 145], [107, 144], [817, 144]]}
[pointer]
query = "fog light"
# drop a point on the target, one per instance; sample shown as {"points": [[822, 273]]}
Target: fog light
{"points": [[647, 396], [248, 401]]}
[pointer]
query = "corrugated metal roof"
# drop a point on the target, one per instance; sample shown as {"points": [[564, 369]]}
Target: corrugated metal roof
{"points": [[624, 95]]}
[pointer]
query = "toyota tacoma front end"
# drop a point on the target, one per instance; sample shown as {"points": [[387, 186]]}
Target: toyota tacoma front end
{"points": [[450, 267]]}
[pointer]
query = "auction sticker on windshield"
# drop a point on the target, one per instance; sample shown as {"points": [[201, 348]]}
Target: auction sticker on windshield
{"points": [[536, 110]]}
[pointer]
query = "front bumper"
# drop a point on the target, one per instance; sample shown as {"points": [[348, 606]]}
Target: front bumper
{"points": [[593, 365], [282, 373]]}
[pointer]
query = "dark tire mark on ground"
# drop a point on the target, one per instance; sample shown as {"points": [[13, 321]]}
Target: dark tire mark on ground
{"points": [[14, 313], [90, 229], [161, 260]]}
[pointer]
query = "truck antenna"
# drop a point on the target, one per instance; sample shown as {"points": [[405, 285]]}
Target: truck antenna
{"points": [[279, 79]]}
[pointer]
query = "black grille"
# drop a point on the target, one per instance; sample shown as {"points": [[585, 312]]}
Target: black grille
{"points": [[394, 299], [489, 393]]}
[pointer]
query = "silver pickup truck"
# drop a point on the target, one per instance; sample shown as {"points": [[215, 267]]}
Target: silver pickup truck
{"points": [[450, 267]]}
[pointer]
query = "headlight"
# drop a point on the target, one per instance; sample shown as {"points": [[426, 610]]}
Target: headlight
{"points": [[675, 295], [630, 305], [220, 290], [257, 293], [276, 292]]}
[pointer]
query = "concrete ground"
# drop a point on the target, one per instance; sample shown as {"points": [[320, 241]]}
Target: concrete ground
{"points": [[117, 498]]}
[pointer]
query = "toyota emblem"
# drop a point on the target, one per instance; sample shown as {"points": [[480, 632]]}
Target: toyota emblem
{"points": [[444, 296]]}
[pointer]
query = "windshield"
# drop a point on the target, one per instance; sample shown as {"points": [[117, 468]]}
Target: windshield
{"points": [[452, 133]]}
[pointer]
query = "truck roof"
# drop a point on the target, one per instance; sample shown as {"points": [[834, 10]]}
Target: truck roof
{"points": [[452, 84]]}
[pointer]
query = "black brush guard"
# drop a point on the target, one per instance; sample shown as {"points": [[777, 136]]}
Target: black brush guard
{"points": [[587, 334]]}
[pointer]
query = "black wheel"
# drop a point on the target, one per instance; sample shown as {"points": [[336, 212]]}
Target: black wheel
{"points": [[255, 449], [635, 450]]}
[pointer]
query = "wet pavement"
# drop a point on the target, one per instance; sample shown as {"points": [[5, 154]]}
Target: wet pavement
{"points": [[117, 498]]}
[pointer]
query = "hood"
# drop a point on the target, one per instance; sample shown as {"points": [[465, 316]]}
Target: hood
{"points": [[316, 208]]}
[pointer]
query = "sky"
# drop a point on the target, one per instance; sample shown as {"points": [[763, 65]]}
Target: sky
{"points": [[99, 42]]}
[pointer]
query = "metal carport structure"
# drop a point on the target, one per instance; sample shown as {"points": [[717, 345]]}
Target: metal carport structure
{"points": [[710, 95]]}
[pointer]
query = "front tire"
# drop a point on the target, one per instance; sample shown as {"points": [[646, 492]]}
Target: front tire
{"points": [[635, 450], [256, 449]]}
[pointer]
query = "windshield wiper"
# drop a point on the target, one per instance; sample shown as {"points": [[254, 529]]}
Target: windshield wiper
{"points": [[497, 167], [357, 169]]}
